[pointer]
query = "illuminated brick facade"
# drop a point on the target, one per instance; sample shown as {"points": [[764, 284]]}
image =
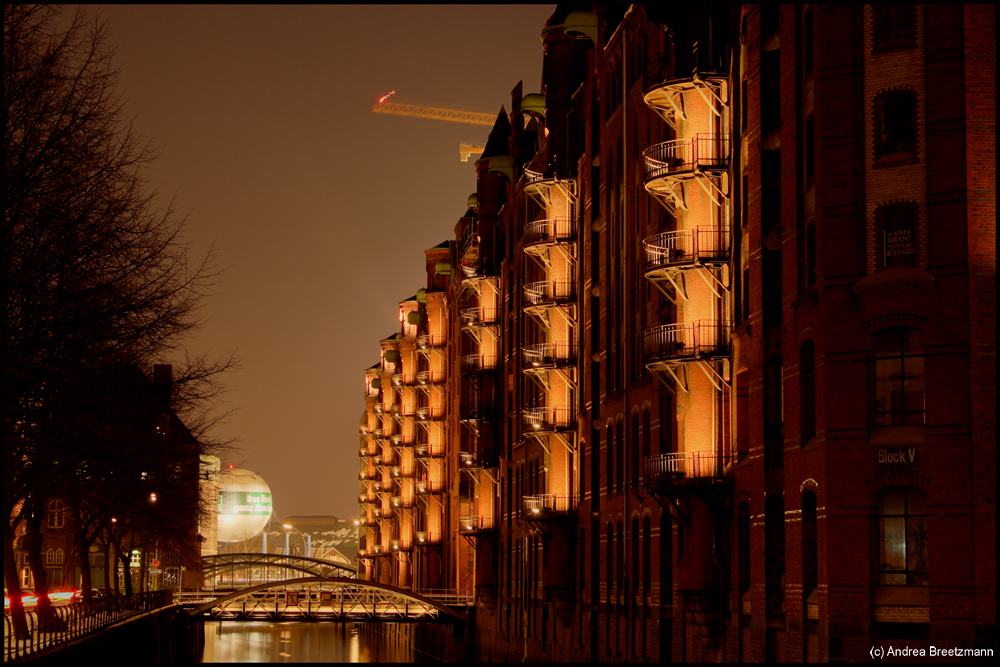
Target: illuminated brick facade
{"points": [[717, 338]]}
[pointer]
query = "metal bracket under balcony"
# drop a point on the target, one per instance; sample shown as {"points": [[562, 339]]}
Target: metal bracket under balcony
{"points": [[400, 546], [428, 487], [426, 539], [703, 158], [426, 452], [428, 343], [473, 463], [664, 93], [542, 235], [544, 188], [404, 379], [670, 348], [429, 415]]}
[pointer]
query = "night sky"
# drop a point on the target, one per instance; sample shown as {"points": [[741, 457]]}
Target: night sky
{"points": [[319, 208]]}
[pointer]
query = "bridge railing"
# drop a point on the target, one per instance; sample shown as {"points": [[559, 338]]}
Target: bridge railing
{"points": [[67, 623]]}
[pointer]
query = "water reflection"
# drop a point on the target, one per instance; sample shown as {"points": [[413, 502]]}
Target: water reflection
{"points": [[232, 641]]}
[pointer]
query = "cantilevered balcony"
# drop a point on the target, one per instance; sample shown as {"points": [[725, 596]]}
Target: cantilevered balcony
{"points": [[404, 379], [430, 378], [476, 525], [425, 538], [685, 468], [431, 486], [549, 419], [479, 316], [424, 452], [686, 158], [430, 342], [549, 506], [479, 363], [403, 502], [548, 189], [476, 460], [543, 356], [430, 413], [688, 341], [686, 249], [549, 293], [404, 545], [666, 85], [542, 234]]}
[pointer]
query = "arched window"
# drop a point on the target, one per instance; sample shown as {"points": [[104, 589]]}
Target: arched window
{"points": [[59, 556], [899, 377], [634, 546], [647, 558], [903, 537], [647, 442], [50, 557], [807, 391], [634, 452]]}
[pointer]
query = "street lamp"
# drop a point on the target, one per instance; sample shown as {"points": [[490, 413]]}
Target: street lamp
{"points": [[305, 543]]}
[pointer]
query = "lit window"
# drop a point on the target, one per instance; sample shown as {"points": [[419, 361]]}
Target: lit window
{"points": [[899, 377], [59, 556], [902, 529], [56, 514], [50, 557]]}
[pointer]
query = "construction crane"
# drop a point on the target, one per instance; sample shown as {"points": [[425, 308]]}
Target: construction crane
{"points": [[465, 149]]}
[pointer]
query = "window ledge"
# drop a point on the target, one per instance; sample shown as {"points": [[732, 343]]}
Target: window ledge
{"points": [[898, 435]]}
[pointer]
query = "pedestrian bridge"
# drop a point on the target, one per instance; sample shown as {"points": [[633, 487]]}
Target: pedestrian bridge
{"points": [[246, 569], [321, 598]]}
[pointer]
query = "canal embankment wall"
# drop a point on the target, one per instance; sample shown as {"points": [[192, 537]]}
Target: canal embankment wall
{"points": [[167, 634], [442, 641]]}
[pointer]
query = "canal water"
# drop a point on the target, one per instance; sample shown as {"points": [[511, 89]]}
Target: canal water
{"points": [[237, 641]]}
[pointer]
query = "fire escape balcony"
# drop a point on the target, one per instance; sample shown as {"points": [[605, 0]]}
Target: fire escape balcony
{"points": [[549, 294], [397, 546], [425, 538], [686, 342], [476, 460], [383, 513], [475, 413], [545, 356], [429, 413], [541, 235], [430, 342], [702, 158], [403, 502], [479, 316], [549, 419], [424, 452], [664, 87], [429, 379], [686, 249], [544, 187], [476, 525], [431, 486], [404, 379], [479, 363], [548, 506], [679, 469]]}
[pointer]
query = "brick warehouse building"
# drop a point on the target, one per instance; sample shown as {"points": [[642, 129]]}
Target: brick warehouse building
{"points": [[708, 371]]}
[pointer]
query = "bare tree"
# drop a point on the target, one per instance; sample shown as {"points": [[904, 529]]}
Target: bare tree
{"points": [[98, 276]]}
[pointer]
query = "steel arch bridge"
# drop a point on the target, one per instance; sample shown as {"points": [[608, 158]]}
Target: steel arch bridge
{"points": [[253, 568], [322, 598]]}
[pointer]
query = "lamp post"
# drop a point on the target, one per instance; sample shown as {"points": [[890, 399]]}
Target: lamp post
{"points": [[305, 543]]}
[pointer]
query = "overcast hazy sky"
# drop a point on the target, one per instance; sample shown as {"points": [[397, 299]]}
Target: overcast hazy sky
{"points": [[320, 209]]}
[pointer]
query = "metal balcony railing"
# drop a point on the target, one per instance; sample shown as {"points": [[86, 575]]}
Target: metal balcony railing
{"points": [[702, 151], [480, 316], [425, 486], [476, 524], [430, 413], [401, 545], [425, 538], [667, 468], [429, 341], [701, 245], [549, 355], [553, 230], [475, 363], [471, 460], [550, 292], [548, 504], [549, 419], [430, 378], [701, 339]]}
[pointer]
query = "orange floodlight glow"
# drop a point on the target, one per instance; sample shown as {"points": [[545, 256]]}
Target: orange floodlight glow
{"points": [[385, 97]]}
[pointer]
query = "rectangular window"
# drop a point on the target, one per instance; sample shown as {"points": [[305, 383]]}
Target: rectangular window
{"points": [[895, 124], [898, 237], [902, 523], [810, 148], [895, 26], [899, 377]]}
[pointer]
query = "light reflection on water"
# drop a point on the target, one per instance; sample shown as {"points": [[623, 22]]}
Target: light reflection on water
{"points": [[235, 641]]}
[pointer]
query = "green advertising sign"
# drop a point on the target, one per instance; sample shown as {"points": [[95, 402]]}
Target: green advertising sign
{"points": [[255, 503]]}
